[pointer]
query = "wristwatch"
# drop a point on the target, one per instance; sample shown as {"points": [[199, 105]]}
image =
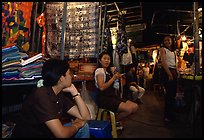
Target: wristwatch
{"points": [[78, 94]]}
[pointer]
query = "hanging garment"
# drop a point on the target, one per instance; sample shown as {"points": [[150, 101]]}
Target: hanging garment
{"points": [[121, 37], [127, 58]]}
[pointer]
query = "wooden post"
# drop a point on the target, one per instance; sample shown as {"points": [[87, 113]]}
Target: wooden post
{"points": [[196, 39]]}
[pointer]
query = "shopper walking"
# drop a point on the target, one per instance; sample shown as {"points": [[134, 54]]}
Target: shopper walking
{"points": [[146, 74]]}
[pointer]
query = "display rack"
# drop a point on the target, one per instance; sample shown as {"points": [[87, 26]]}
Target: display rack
{"points": [[80, 33]]}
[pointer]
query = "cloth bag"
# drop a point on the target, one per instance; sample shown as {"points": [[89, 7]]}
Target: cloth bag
{"points": [[89, 101], [127, 58]]}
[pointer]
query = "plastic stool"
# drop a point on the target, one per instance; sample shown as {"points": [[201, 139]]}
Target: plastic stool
{"points": [[100, 129], [102, 115]]}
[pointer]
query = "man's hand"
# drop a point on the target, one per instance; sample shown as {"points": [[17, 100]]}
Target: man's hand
{"points": [[72, 89]]}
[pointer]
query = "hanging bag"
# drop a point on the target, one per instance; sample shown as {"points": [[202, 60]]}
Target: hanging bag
{"points": [[127, 58], [89, 101]]}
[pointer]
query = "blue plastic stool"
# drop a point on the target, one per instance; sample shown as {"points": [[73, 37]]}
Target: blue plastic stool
{"points": [[100, 129]]}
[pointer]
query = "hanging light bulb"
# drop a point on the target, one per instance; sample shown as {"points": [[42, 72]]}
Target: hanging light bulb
{"points": [[183, 38], [113, 38], [200, 32], [199, 9]]}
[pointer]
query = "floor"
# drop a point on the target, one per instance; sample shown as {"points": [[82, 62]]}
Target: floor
{"points": [[148, 121]]}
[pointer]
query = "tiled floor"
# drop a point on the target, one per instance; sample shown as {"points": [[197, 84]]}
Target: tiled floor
{"points": [[148, 122]]}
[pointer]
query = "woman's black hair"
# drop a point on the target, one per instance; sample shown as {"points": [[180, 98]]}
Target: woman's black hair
{"points": [[99, 58], [52, 70], [173, 46]]}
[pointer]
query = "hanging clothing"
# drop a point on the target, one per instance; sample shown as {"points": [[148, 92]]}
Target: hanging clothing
{"points": [[121, 36], [127, 58]]}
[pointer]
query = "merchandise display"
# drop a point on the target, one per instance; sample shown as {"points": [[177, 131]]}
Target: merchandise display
{"points": [[81, 32], [78, 32]]}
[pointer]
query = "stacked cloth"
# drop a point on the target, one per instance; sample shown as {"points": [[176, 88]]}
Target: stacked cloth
{"points": [[18, 66]]}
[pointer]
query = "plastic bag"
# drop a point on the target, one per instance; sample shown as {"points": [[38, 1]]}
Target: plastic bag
{"points": [[116, 84], [89, 101]]}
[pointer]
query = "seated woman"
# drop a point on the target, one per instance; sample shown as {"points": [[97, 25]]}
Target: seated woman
{"points": [[43, 109], [107, 99], [131, 89]]}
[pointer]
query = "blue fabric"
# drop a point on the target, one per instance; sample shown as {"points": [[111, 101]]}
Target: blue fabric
{"points": [[82, 132], [10, 50], [13, 56]]}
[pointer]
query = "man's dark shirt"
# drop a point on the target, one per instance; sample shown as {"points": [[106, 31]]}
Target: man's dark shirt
{"points": [[40, 106]]}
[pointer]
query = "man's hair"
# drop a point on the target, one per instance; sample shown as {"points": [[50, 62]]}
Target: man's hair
{"points": [[52, 70], [130, 66]]}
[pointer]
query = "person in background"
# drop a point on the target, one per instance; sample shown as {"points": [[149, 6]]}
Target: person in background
{"points": [[107, 99], [140, 75], [134, 53], [131, 89], [43, 109], [146, 74], [126, 58], [169, 76]]}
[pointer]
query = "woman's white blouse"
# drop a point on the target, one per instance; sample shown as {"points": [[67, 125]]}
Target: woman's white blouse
{"points": [[97, 72], [170, 58]]}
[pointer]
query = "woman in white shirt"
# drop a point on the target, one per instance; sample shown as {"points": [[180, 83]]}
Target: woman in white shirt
{"points": [[170, 71], [146, 73], [107, 98]]}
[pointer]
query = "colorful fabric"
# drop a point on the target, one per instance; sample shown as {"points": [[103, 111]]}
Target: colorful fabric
{"points": [[10, 74], [14, 56], [11, 49], [16, 17]]}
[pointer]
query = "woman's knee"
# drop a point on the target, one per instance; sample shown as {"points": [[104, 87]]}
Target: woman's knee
{"points": [[135, 107]]}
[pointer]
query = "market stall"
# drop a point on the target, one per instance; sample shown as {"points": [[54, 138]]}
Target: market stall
{"points": [[77, 32]]}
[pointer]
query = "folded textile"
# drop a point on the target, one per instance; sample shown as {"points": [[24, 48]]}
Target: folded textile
{"points": [[14, 56], [32, 59], [10, 74], [11, 68], [33, 65], [10, 50], [30, 73], [11, 63]]}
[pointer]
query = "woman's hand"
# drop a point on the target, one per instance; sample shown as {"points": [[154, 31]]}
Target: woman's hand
{"points": [[72, 89], [117, 75]]}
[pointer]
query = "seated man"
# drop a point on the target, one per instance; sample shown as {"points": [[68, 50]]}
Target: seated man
{"points": [[131, 89]]}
